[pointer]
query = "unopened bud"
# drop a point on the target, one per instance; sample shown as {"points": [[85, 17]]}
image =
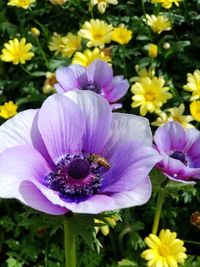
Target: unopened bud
{"points": [[35, 32], [166, 45]]}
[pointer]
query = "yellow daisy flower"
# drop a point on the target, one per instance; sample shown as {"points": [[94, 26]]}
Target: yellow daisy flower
{"points": [[166, 3], [102, 4], [88, 56], [121, 35], [150, 94], [8, 110], [56, 43], [195, 110], [21, 3], [17, 51], [193, 84], [164, 250], [98, 32], [143, 73], [152, 50], [111, 221], [70, 44], [174, 114], [158, 23]]}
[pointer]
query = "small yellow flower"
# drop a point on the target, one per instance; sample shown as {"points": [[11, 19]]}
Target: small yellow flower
{"points": [[88, 56], [98, 32], [150, 94], [58, 2], [193, 84], [164, 250], [17, 51], [161, 119], [35, 32], [158, 23], [8, 110], [121, 35], [70, 44], [174, 114], [153, 50], [21, 3], [102, 4], [56, 43], [143, 73], [166, 3], [195, 110], [111, 221], [48, 86]]}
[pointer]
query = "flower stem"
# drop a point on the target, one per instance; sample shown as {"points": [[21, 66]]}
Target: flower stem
{"points": [[143, 8], [25, 70], [42, 53], [70, 244], [160, 200]]}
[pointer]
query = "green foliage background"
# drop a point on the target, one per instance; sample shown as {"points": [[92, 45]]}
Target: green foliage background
{"points": [[30, 239]]}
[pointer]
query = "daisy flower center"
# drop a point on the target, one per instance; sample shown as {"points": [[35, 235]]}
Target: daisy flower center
{"points": [[76, 177], [164, 250], [150, 96]]}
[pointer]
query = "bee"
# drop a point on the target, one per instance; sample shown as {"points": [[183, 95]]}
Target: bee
{"points": [[100, 160], [195, 219]]}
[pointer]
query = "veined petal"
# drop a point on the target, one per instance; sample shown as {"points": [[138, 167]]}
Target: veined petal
{"points": [[137, 196], [22, 129], [95, 204], [129, 127], [67, 79], [98, 116], [61, 124], [170, 137], [100, 72], [116, 89], [15, 168], [130, 162], [33, 197]]}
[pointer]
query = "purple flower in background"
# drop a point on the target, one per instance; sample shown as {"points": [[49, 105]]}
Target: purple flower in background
{"points": [[97, 77], [74, 154], [180, 151]]}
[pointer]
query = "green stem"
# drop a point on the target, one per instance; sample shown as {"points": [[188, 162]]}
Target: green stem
{"points": [[25, 70], [70, 244], [42, 53], [143, 8], [192, 242], [160, 200]]}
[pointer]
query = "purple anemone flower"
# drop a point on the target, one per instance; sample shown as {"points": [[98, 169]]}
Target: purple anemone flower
{"points": [[73, 154], [180, 152], [97, 77]]}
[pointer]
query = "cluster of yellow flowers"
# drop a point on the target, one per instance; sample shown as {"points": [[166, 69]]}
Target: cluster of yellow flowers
{"points": [[150, 94], [193, 86], [66, 45], [97, 33]]}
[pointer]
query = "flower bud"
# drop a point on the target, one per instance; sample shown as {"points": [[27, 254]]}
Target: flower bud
{"points": [[166, 45], [153, 50], [35, 32]]}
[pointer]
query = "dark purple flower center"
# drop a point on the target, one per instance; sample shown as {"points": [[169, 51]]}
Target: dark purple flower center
{"points": [[78, 169], [75, 177], [179, 156], [93, 86]]}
